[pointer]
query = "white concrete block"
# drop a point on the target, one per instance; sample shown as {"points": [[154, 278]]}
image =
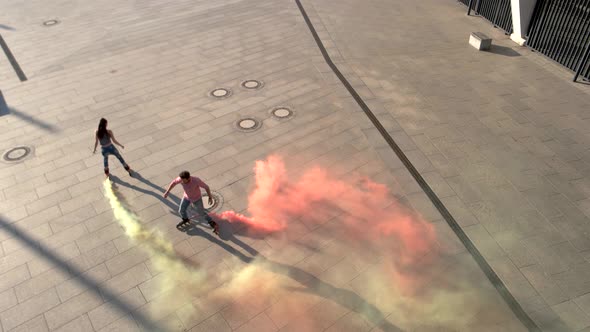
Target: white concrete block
{"points": [[480, 41]]}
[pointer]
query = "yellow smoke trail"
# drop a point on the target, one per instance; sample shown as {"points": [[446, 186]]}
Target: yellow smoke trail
{"points": [[176, 276], [185, 285], [257, 284]]}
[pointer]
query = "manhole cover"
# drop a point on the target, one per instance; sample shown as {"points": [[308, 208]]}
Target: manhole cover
{"points": [[281, 112], [50, 23], [252, 84], [16, 154], [220, 93], [248, 124], [217, 202]]}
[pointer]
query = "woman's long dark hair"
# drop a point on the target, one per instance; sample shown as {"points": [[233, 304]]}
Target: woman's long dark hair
{"points": [[102, 128]]}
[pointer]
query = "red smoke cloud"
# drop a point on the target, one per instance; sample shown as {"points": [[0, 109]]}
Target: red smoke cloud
{"points": [[368, 214]]}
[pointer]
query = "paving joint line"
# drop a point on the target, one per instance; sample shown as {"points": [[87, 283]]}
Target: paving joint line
{"points": [[516, 308]]}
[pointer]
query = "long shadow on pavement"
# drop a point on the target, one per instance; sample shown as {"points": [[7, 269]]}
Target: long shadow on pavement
{"points": [[310, 283], [77, 275], [173, 203], [6, 110]]}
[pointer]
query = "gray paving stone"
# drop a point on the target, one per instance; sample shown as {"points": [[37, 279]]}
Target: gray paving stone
{"points": [[41, 264], [544, 284], [36, 324], [128, 258], [14, 277], [72, 287], [106, 314], [24, 312], [572, 315], [7, 299], [39, 284], [214, 323], [72, 308], [99, 237], [81, 323], [123, 324], [574, 282], [128, 279]]}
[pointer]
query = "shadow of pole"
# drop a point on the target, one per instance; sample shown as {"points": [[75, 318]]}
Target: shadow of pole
{"points": [[17, 69], [311, 284], [84, 281], [5, 110], [6, 27], [3, 106], [41, 124]]}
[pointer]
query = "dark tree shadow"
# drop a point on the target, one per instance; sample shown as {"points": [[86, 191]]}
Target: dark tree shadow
{"points": [[6, 110], [119, 304], [310, 283], [172, 202], [503, 50]]}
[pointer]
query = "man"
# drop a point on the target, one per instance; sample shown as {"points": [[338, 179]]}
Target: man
{"points": [[192, 195]]}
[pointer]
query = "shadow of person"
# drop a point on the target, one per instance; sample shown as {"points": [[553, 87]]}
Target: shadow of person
{"points": [[172, 203], [309, 283]]}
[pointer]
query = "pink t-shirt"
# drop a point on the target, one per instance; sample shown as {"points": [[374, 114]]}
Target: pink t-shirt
{"points": [[192, 189]]}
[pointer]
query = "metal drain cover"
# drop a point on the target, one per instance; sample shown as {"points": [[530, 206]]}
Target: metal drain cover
{"points": [[282, 112], [252, 84], [248, 124], [16, 154], [50, 23], [220, 93], [217, 202]]}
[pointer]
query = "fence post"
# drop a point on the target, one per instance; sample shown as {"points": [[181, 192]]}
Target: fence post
{"points": [[583, 62], [469, 7]]}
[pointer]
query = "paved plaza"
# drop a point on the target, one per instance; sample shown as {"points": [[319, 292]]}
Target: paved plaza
{"points": [[501, 137]]}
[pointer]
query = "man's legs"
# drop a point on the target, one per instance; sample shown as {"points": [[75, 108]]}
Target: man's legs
{"points": [[182, 211], [198, 205]]}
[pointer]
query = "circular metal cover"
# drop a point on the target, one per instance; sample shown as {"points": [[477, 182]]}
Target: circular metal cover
{"points": [[16, 154], [248, 124], [220, 93], [217, 202], [252, 84], [282, 113], [49, 23]]}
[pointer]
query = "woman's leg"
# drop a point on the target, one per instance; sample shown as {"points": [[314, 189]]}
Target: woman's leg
{"points": [[118, 155], [105, 156]]}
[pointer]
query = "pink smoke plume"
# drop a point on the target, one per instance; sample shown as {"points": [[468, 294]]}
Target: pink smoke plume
{"points": [[369, 213]]}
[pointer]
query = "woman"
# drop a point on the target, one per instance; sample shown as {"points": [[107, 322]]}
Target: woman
{"points": [[106, 139]]}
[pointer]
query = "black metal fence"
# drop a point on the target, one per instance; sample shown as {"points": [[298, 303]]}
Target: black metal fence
{"points": [[560, 29], [498, 12]]}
